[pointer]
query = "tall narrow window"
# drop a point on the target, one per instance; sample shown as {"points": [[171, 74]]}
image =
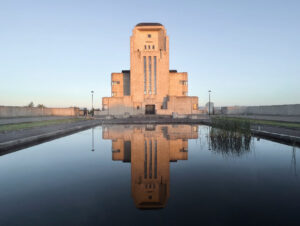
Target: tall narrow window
{"points": [[145, 76], [150, 76], [155, 159], [150, 160], [145, 160], [154, 74]]}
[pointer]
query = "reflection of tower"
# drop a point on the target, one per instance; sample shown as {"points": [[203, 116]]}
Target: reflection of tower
{"points": [[150, 149]]}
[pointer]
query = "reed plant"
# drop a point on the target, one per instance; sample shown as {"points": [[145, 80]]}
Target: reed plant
{"points": [[230, 136]]}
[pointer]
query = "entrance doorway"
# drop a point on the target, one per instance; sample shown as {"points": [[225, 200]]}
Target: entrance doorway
{"points": [[150, 109]]}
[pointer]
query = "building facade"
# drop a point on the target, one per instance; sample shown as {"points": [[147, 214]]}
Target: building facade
{"points": [[149, 87]]}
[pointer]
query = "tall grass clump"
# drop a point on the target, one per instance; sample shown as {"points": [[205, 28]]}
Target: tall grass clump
{"points": [[230, 136]]}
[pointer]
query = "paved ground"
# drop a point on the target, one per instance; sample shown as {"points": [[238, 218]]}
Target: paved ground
{"points": [[20, 138], [276, 129], [17, 134], [4, 121]]}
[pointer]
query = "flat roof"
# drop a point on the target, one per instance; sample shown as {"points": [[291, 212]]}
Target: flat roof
{"points": [[148, 24]]}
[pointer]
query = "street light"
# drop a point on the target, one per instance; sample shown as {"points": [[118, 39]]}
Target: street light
{"points": [[209, 91], [92, 99], [93, 147]]}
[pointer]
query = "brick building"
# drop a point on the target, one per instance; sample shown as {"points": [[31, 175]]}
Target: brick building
{"points": [[149, 87]]}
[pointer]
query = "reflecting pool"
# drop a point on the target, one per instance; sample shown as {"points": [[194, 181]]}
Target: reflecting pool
{"points": [[150, 174]]}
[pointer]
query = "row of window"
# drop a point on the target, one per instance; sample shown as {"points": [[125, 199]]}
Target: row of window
{"points": [[149, 47], [149, 83], [148, 174], [183, 82], [195, 107]]}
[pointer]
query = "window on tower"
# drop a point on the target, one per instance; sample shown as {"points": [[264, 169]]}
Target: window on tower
{"points": [[183, 82], [150, 75], [154, 65], [145, 76]]}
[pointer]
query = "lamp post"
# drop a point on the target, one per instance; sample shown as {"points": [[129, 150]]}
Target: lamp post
{"points": [[209, 91], [93, 147], [92, 99]]}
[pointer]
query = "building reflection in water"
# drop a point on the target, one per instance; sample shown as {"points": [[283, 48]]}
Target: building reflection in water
{"points": [[150, 149]]}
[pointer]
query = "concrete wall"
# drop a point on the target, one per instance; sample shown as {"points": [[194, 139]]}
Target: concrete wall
{"points": [[11, 111], [124, 105], [288, 110], [176, 85], [117, 84]]}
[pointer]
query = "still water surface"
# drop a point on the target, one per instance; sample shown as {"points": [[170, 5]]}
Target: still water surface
{"points": [[150, 175]]}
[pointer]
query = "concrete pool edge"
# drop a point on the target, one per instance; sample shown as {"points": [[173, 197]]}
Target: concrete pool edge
{"points": [[277, 137], [268, 133], [17, 144]]}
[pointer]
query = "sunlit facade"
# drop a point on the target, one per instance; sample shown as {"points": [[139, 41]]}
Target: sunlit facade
{"points": [[149, 87]]}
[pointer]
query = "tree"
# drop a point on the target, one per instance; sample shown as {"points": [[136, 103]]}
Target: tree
{"points": [[41, 106], [30, 104]]}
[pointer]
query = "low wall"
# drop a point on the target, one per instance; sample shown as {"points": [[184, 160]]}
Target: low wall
{"points": [[10, 111], [125, 105], [287, 110]]}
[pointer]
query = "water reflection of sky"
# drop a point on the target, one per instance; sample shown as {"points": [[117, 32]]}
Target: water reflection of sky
{"points": [[64, 182]]}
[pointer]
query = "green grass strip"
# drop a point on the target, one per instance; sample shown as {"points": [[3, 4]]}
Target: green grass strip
{"points": [[28, 125], [267, 122]]}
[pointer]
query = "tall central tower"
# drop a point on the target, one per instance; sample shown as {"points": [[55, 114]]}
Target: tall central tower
{"points": [[149, 62]]}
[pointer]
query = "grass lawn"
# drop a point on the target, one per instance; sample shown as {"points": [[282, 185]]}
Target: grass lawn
{"points": [[267, 122], [28, 125]]}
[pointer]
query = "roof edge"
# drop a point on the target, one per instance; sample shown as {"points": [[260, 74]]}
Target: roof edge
{"points": [[148, 24]]}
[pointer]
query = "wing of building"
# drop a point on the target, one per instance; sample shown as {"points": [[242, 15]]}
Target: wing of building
{"points": [[149, 87]]}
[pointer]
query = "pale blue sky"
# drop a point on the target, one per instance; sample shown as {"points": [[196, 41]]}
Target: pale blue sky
{"points": [[55, 52]]}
